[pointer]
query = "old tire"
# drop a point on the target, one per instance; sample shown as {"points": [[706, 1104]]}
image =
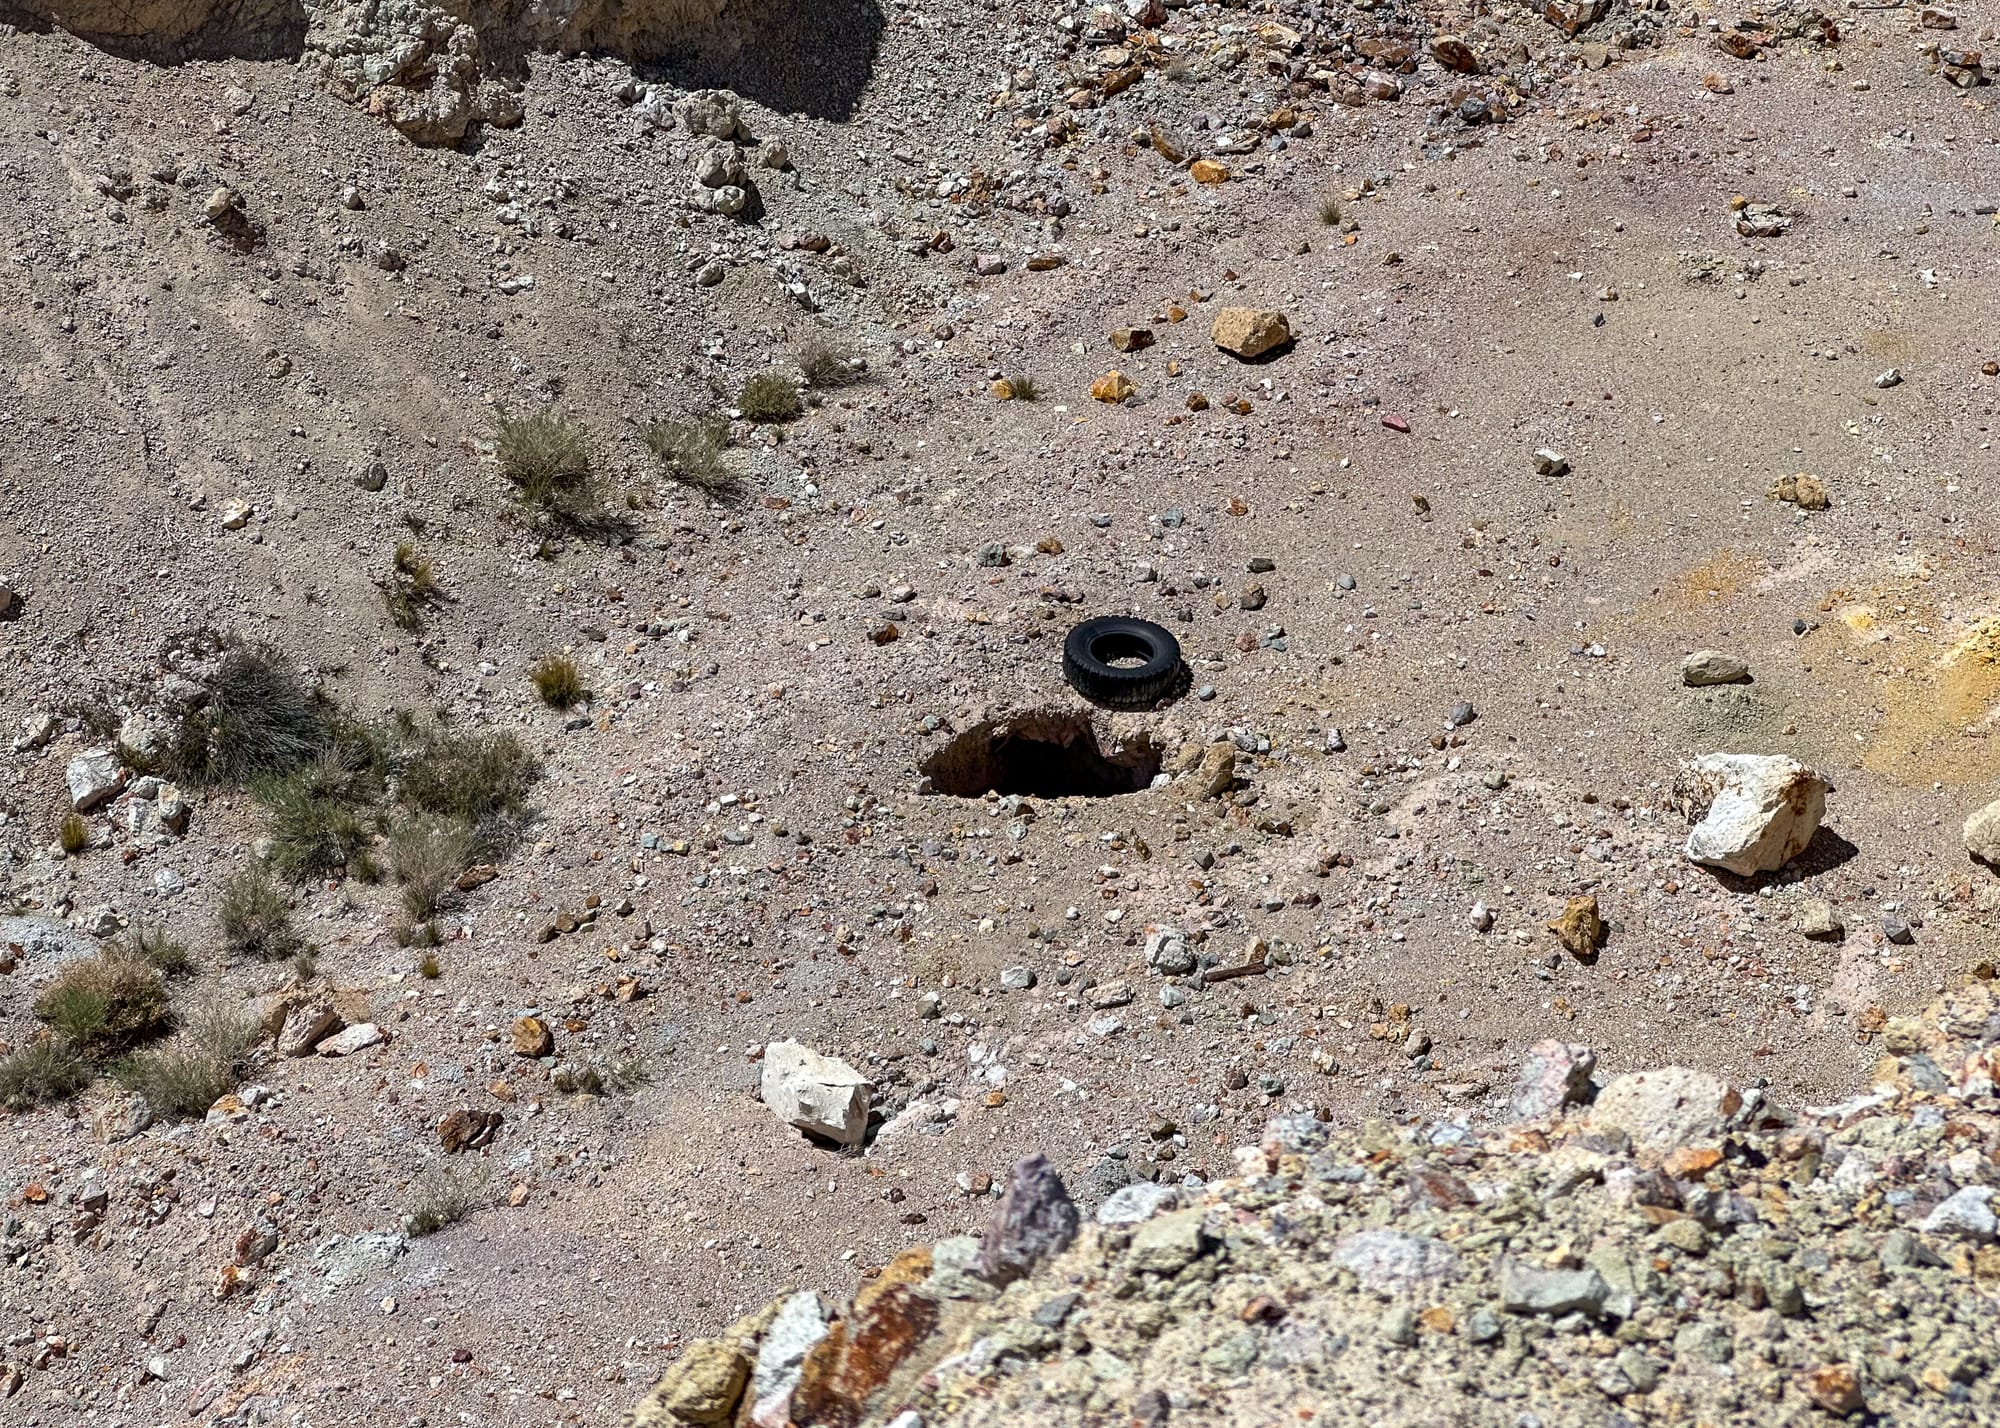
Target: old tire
{"points": [[1151, 660]]}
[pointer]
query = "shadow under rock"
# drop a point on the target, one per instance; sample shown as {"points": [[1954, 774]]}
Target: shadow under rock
{"points": [[235, 29], [811, 57]]}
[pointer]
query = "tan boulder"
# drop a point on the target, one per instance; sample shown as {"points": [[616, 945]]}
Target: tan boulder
{"points": [[1248, 332], [1113, 387]]}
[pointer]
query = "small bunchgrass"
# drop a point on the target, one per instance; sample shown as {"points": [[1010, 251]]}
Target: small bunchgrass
{"points": [[204, 1062], [260, 720], [443, 1194], [1329, 211], [558, 680], [105, 1003], [256, 919], [160, 950], [546, 457], [1023, 388], [319, 819], [74, 834], [427, 853], [475, 778], [411, 587], [690, 452], [826, 366], [769, 397], [46, 1070]]}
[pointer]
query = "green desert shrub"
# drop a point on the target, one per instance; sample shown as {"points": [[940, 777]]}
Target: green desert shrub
{"points": [[256, 918], [690, 452], [770, 397]]}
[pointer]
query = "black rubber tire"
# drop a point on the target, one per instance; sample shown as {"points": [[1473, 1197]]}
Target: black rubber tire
{"points": [[1089, 649]]}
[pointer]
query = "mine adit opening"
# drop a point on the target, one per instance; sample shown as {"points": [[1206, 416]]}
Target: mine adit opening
{"points": [[1041, 754]]}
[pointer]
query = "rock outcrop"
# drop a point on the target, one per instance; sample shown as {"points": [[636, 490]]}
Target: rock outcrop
{"points": [[1677, 1251], [432, 68]]}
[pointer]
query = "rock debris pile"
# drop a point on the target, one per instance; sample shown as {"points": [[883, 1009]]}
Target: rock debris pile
{"points": [[1664, 1248]]}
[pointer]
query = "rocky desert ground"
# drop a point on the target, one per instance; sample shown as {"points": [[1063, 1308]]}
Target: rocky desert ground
{"points": [[547, 843]]}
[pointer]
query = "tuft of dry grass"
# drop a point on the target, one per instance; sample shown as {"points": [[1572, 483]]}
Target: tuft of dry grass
{"points": [[260, 721], [558, 680], [690, 452], [546, 457], [256, 919], [480, 779], [74, 834], [769, 397], [427, 854], [826, 366], [411, 587], [105, 1003], [1023, 388], [443, 1194], [319, 823], [160, 950], [47, 1069], [1329, 211], [202, 1064]]}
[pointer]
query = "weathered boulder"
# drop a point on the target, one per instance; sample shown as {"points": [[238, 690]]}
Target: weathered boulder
{"points": [[1249, 332], [1761, 810], [1034, 1222], [820, 1095], [1667, 1107], [1705, 667], [1554, 1074], [701, 1390], [1982, 834], [94, 777]]}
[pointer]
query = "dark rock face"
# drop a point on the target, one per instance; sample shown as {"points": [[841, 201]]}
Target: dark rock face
{"points": [[1034, 1222]]}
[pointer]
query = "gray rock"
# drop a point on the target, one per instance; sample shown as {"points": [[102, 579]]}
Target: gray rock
{"points": [[1761, 811], [121, 1117], [1902, 1249], [306, 1027], [1018, 978], [1399, 1325], [36, 731], [781, 1353], [1667, 1108], [1639, 1370], [714, 113], [355, 1038], [1705, 667], [1170, 1243], [1816, 918], [1554, 1074], [1136, 1203], [1168, 953], [1966, 1215], [1525, 1289], [1390, 1260], [1705, 1340], [955, 1270], [1034, 1222]]}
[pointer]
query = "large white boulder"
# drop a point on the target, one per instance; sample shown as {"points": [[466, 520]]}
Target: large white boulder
{"points": [[1982, 834], [821, 1095], [1762, 810], [94, 777]]}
